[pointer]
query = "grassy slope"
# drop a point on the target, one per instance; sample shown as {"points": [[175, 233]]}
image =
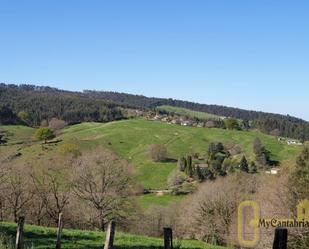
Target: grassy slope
{"points": [[17, 133], [131, 139], [40, 237], [188, 112], [152, 199]]}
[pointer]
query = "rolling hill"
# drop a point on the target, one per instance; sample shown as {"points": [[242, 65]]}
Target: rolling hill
{"points": [[32, 105], [130, 139]]}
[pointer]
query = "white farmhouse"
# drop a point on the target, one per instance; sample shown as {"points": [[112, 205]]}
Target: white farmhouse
{"points": [[273, 171]]}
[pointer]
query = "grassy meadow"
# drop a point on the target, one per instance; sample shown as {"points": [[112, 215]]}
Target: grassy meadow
{"points": [[148, 200], [187, 112], [44, 238], [130, 139]]}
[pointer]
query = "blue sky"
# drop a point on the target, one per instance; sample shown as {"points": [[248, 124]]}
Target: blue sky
{"points": [[248, 54]]}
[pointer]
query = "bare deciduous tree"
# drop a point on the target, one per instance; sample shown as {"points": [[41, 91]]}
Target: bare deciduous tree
{"points": [[57, 124], [53, 188], [158, 152], [103, 182], [3, 180], [18, 191], [209, 214]]}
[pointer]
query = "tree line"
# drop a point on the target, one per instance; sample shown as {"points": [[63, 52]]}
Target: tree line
{"points": [[281, 125], [32, 105], [90, 189], [37, 103]]}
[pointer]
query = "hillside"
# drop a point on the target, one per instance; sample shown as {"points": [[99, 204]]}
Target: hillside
{"points": [[285, 125], [187, 112], [130, 139], [32, 105], [44, 238], [29, 104], [152, 102]]}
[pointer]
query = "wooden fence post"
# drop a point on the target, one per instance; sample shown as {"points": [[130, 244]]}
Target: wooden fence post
{"points": [[281, 238], [168, 238], [19, 232], [59, 231], [110, 234]]}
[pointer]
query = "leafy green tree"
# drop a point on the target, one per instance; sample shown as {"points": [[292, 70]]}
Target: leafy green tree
{"points": [[216, 168], [231, 124], [23, 117], [207, 173], [215, 148], [216, 157], [229, 165], [44, 134], [243, 166]]}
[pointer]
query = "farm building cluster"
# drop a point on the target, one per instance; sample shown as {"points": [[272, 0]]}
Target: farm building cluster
{"points": [[180, 120], [290, 141]]}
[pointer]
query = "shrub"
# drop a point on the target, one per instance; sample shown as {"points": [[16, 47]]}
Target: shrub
{"points": [[57, 124], [6, 242], [44, 134], [231, 124], [70, 149], [184, 189]]}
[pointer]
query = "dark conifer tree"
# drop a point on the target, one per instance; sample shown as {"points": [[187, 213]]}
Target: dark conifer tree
{"points": [[243, 166], [198, 175], [189, 166], [182, 164]]}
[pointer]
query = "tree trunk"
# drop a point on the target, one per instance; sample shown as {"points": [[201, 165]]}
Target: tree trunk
{"points": [[15, 216], [102, 225]]}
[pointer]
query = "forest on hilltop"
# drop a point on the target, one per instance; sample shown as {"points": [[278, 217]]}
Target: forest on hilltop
{"points": [[283, 125], [38, 103], [31, 105]]}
